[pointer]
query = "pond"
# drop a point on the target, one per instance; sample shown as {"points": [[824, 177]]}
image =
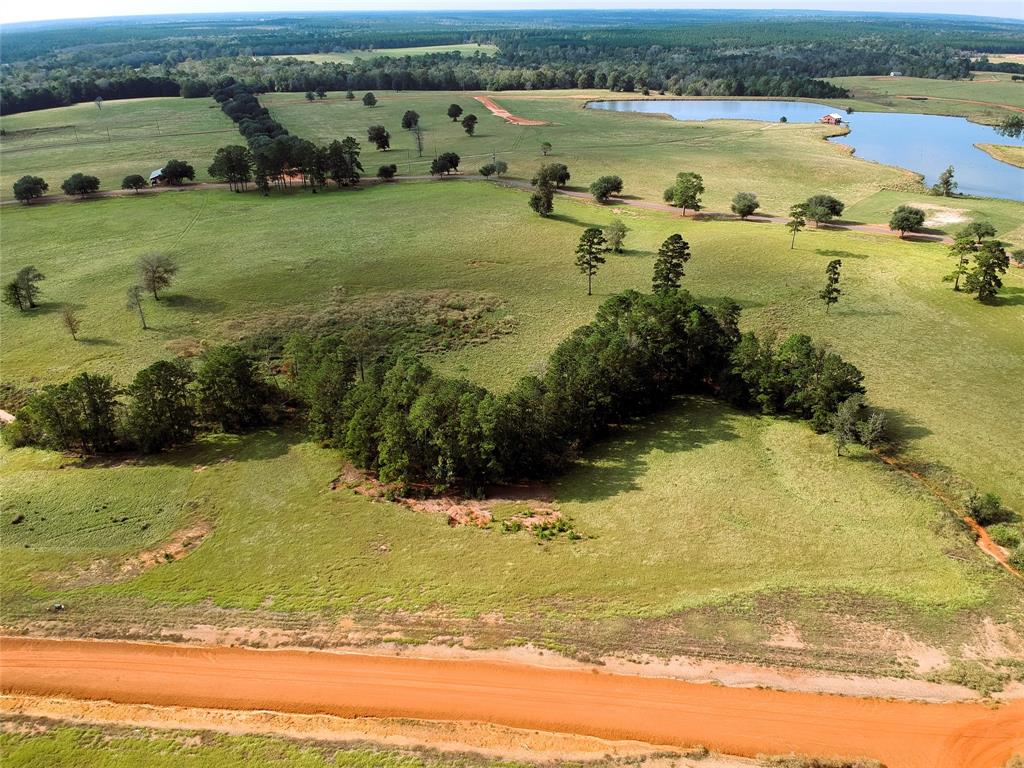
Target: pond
{"points": [[926, 144]]}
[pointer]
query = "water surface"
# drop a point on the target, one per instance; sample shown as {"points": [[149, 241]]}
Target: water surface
{"points": [[927, 144]]}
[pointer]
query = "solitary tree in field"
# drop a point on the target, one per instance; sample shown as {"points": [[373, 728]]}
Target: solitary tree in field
{"points": [[99, 102], [410, 119], [134, 181], [321, 92], [604, 187], [906, 219], [830, 293], [310, 96], [823, 208], [12, 296], [349, 96], [946, 185], [555, 174], [445, 163], [417, 134], [590, 254], [133, 302], [469, 124], [28, 281], [686, 191], [669, 266], [797, 221], [500, 167], [454, 112], [80, 184], [379, 136], [545, 148], [542, 201], [156, 272], [369, 100], [615, 234], [387, 172], [961, 250], [71, 321], [990, 261], [978, 231], [28, 188], [744, 204]]}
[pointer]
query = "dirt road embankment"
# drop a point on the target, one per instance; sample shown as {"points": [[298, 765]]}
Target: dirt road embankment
{"points": [[739, 721]]}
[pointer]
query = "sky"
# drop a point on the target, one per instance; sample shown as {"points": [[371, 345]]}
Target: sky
{"points": [[38, 10]]}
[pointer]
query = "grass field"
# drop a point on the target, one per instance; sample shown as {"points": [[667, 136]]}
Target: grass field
{"points": [[74, 746], [1007, 154], [985, 99], [782, 163], [347, 57], [124, 137], [702, 507]]}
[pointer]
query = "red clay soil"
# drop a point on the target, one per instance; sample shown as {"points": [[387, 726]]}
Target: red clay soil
{"points": [[501, 112], [738, 721]]}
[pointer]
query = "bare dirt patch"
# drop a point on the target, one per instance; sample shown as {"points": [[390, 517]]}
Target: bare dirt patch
{"points": [[499, 111], [514, 507], [180, 544], [941, 215]]}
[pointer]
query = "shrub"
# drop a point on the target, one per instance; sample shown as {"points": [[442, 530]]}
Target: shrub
{"points": [[1005, 535], [605, 187], [985, 510]]}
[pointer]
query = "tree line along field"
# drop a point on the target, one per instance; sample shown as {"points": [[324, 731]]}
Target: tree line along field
{"points": [[661, 535], [988, 98], [347, 57], [119, 139]]}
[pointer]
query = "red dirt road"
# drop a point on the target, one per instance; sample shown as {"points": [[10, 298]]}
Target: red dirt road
{"points": [[740, 721]]}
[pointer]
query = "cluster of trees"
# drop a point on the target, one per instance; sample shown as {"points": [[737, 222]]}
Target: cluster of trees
{"points": [[549, 177], [497, 168], [412, 425], [444, 164], [23, 291], [166, 404], [976, 243]]}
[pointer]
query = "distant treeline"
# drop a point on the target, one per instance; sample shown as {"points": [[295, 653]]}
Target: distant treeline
{"points": [[705, 54]]}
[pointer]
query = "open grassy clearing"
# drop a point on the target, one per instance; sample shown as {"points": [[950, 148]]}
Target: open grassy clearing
{"points": [[124, 137], [781, 163], [988, 98], [1007, 154], [947, 215], [347, 57], [246, 261], [703, 506]]}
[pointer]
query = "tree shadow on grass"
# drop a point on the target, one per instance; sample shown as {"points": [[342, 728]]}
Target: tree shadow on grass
{"points": [[192, 303], [567, 219], [1009, 297], [615, 465], [208, 451], [91, 341], [835, 254], [902, 429]]}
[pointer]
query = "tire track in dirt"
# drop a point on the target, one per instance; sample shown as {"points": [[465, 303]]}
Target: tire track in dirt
{"points": [[739, 721]]}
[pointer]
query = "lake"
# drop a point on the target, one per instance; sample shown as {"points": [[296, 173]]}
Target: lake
{"points": [[926, 144]]}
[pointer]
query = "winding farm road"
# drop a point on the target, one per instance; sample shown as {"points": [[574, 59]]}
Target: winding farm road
{"points": [[739, 721]]}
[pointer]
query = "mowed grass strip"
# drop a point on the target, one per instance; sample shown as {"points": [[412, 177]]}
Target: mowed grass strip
{"points": [[245, 260], [119, 139]]}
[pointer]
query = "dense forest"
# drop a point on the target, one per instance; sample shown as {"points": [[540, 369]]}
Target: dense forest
{"points": [[684, 53]]}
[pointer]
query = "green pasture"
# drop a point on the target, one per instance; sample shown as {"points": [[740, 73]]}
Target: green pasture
{"points": [[121, 138], [76, 746], [347, 57], [985, 99], [246, 262], [699, 506], [781, 163]]}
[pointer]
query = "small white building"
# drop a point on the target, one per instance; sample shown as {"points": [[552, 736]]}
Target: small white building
{"points": [[156, 177]]}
